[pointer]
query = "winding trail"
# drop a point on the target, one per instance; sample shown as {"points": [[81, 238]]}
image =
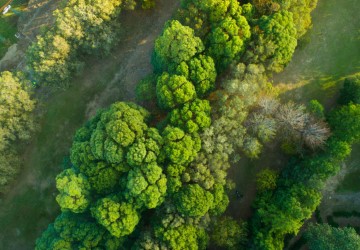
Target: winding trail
{"points": [[30, 205]]}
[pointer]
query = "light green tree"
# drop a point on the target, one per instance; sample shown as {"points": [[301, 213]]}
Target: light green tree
{"points": [[74, 191], [173, 91], [192, 200], [177, 44], [119, 219]]}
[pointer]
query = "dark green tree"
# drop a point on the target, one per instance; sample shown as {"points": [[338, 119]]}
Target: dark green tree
{"points": [[324, 236], [227, 233], [350, 91]]}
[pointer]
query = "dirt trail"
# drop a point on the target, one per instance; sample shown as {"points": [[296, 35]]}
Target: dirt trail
{"points": [[30, 205]]}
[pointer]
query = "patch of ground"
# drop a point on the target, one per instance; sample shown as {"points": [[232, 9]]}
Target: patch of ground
{"points": [[30, 205], [327, 54]]}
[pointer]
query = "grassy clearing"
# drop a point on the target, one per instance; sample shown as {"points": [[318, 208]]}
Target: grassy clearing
{"points": [[8, 24]]}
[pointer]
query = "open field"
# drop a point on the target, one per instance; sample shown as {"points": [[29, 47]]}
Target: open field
{"points": [[30, 206]]}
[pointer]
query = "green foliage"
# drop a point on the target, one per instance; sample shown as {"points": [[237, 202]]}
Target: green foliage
{"points": [[350, 91], [9, 168], [147, 4], [147, 185], [275, 42], [16, 116], [51, 59], [177, 44], [81, 27], [251, 147], [192, 117], [221, 200], [115, 150], [228, 233], [317, 109], [173, 91], [266, 180], [201, 72], [301, 10], [74, 191], [192, 200], [283, 214], [72, 231], [279, 32], [345, 122], [185, 237], [16, 123], [227, 40], [264, 127], [179, 147], [326, 237], [119, 219]]}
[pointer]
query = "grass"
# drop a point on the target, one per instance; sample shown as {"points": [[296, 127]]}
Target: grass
{"points": [[8, 25], [330, 54], [351, 182]]}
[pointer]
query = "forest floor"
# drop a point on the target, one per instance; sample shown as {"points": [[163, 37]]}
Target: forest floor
{"points": [[30, 205], [326, 55]]}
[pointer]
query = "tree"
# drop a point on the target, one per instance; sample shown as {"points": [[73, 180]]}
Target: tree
{"points": [[263, 127], [201, 72], [51, 60], [266, 180], [323, 236], [345, 123], [315, 134], [350, 91], [185, 237], [147, 185], [192, 200], [9, 168], [227, 40], [16, 105], [227, 233], [316, 109], [179, 147], [202, 15], [221, 200], [251, 147], [192, 117], [119, 219], [76, 231], [177, 44], [173, 91], [275, 42], [74, 191]]}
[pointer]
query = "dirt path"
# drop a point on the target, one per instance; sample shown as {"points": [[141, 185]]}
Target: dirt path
{"points": [[30, 206]]}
